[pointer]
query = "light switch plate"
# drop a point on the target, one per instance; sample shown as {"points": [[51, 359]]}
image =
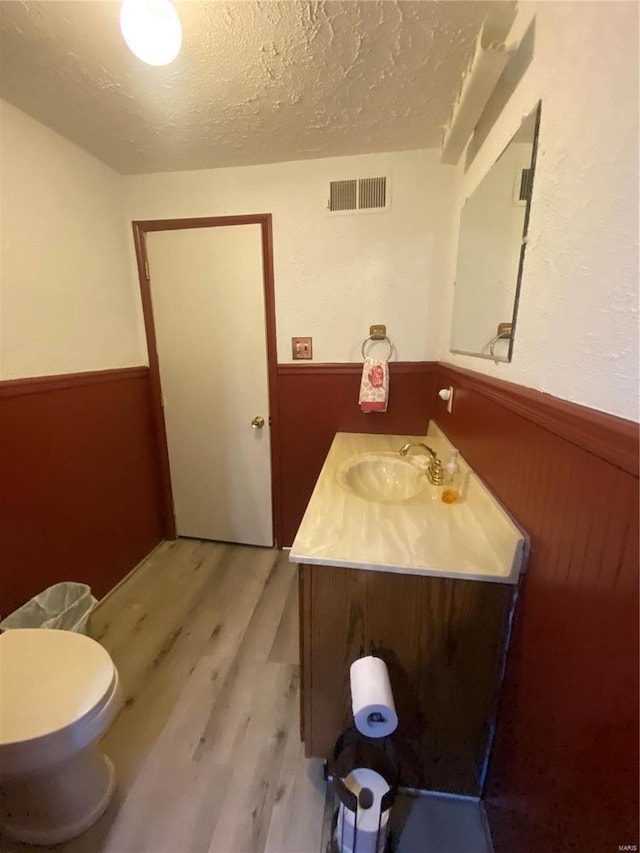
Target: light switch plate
{"points": [[301, 348]]}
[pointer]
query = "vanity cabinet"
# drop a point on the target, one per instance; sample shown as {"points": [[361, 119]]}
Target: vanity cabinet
{"points": [[444, 642]]}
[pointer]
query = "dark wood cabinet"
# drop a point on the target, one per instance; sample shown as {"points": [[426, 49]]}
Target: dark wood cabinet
{"points": [[444, 642]]}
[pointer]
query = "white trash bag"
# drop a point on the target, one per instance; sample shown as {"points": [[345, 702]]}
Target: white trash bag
{"points": [[65, 606]]}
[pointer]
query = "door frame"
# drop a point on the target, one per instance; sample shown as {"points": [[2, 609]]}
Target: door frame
{"points": [[141, 228]]}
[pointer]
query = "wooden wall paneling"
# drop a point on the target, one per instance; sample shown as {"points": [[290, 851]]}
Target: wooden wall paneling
{"points": [[80, 496], [555, 497], [569, 707], [606, 436], [625, 579], [316, 401], [58, 382], [619, 511]]}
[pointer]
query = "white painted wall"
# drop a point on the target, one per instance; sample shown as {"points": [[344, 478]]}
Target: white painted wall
{"points": [[334, 275], [69, 294], [67, 301], [577, 333]]}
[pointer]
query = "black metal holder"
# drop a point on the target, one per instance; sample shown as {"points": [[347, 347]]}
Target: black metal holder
{"points": [[354, 750]]}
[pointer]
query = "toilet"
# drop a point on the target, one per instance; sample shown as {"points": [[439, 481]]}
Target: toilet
{"points": [[58, 695]]}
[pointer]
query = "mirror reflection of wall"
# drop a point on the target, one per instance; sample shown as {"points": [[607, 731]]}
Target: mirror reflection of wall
{"points": [[490, 250]]}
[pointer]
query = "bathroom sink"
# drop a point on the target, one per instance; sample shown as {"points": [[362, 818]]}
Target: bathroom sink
{"points": [[382, 477]]}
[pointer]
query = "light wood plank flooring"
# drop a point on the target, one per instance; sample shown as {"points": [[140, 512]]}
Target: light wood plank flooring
{"points": [[207, 746]]}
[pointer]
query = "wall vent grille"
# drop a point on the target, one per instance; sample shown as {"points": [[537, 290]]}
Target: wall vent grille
{"points": [[372, 192], [361, 194], [343, 195]]}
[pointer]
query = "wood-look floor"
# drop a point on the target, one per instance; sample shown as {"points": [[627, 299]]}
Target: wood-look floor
{"points": [[207, 747]]}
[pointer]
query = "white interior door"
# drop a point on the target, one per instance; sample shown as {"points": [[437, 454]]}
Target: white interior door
{"points": [[207, 294]]}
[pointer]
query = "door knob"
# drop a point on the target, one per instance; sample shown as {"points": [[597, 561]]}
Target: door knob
{"points": [[257, 422]]}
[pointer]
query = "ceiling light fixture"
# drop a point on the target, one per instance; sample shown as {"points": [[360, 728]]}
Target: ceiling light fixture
{"points": [[151, 29]]}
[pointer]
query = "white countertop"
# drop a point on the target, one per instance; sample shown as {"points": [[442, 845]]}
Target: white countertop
{"points": [[474, 539]]}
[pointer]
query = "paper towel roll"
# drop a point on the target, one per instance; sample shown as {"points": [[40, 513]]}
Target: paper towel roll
{"points": [[374, 711]]}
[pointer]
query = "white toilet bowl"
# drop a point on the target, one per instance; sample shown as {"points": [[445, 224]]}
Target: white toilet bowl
{"points": [[58, 695]]}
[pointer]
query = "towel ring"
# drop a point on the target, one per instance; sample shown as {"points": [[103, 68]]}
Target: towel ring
{"points": [[502, 336], [372, 338]]}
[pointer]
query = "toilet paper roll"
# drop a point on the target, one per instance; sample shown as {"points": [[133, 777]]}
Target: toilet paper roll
{"points": [[365, 830], [352, 839], [374, 711]]}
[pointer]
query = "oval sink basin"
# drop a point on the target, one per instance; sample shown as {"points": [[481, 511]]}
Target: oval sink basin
{"points": [[385, 478]]}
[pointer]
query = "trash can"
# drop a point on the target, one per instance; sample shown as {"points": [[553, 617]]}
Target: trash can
{"points": [[64, 605]]}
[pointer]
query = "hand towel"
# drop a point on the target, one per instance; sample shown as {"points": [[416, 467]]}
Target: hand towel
{"points": [[374, 386]]}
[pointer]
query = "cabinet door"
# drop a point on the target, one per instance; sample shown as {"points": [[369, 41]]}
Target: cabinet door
{"points": [[443, 642], [333, 636]]}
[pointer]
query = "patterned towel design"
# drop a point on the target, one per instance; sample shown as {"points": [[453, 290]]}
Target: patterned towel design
{"points": [[374, 386]]}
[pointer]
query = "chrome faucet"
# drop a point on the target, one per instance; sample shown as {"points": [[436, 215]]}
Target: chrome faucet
{"points": [[435, 474]]}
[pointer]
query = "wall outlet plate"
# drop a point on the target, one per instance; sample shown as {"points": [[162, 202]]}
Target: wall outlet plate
{"points": [[301, 348]]}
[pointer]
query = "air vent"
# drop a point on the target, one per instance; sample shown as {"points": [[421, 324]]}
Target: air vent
{"points": [[372, 193], [364, 194], [343, 195]]}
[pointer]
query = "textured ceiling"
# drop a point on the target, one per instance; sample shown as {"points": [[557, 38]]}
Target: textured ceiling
{"points": [[254, 82]]}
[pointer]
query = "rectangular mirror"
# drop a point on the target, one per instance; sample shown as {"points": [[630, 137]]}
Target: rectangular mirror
{"points": [[491, 246]]}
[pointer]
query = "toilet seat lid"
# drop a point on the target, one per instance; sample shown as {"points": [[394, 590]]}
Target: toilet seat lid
{"points": [[49, 679]]}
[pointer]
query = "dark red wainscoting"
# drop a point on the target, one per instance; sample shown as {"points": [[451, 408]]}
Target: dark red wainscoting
{"points": [[564, 769], [79, 481], [318, 400]]}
